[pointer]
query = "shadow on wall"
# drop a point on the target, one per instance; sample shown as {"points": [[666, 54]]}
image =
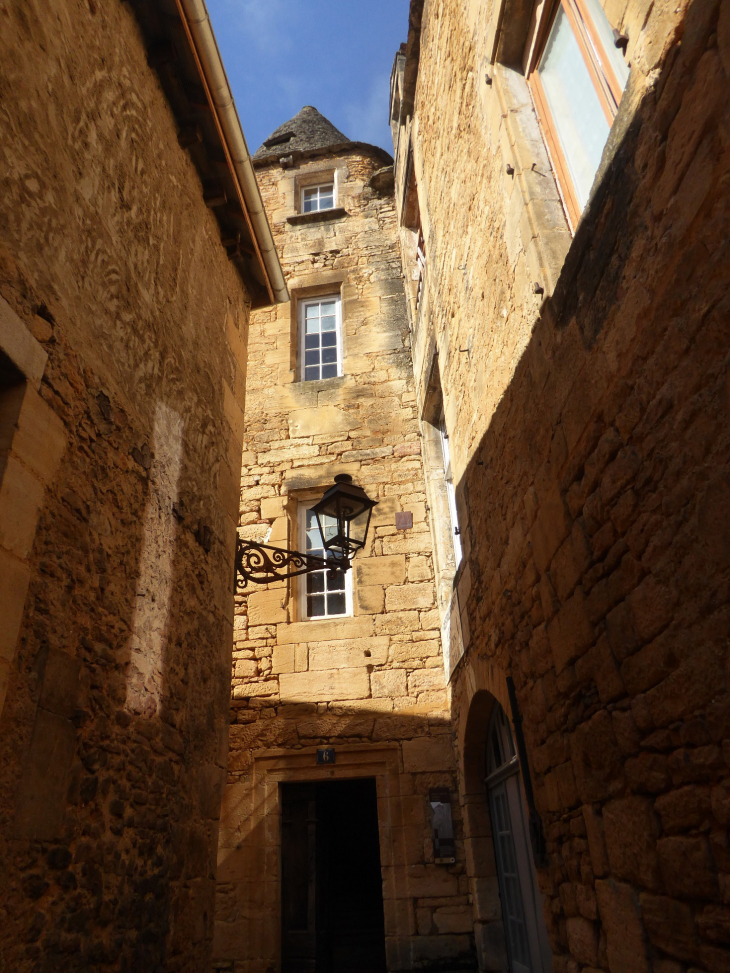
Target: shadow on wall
{"points": [[408, 755], [114, 729], [599, 538]]}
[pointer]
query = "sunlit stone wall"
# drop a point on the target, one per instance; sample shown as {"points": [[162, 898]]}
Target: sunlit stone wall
{"points": [[372, 684]]}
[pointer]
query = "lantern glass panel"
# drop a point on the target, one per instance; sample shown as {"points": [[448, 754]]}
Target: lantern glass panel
{"points": [[359, 527]]}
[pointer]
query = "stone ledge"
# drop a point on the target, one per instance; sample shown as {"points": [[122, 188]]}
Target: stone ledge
{"points": [[321, 216], [27, 354]]}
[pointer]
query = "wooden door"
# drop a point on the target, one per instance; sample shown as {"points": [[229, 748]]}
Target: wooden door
{"points": [[298, 878]]}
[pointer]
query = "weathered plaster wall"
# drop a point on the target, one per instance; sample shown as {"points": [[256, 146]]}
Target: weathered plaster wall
{"points": [[113, 736], [590, 436], [371, 685]]}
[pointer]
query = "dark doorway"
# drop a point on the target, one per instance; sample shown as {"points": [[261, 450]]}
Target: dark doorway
{"points": [[331, 890]]}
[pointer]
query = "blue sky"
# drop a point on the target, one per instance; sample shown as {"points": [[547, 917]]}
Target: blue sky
{"points": [[334, 54]]}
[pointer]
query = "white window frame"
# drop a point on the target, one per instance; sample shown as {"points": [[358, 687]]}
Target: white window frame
{"points": [[304, 506], [450, 490], [303, 305], [319, 187]]}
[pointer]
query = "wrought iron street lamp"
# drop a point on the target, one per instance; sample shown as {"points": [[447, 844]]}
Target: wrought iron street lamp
{"points": [[348, 508]]}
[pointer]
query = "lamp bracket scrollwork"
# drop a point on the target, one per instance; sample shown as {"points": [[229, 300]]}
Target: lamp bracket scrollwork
{"points": [[262, 563]]}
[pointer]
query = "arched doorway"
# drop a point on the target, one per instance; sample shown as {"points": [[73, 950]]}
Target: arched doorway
{"points": [[527, 948]]}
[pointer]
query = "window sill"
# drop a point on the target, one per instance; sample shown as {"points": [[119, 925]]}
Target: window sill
{"points": [[320, 216], [320, 384]]}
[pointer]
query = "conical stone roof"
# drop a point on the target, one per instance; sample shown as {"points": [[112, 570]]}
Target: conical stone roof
{"points": [[306, 132]]}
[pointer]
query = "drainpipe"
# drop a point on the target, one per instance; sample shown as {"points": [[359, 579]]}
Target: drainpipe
{"points": [[199, 30]]}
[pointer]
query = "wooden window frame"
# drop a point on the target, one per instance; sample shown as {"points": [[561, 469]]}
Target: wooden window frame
{"points": [[303, 303], [604, 80], [319, 187], [303, 507]]}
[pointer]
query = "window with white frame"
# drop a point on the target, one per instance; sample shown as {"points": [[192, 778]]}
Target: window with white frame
{"points": [[420, 271], [320, 348], [317, 198], [450, 490], [327, 593]]}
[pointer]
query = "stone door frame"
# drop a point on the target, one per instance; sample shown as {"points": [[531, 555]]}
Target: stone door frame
{"points": [[381, 762]]}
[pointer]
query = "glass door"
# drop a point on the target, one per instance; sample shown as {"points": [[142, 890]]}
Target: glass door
{"points": [[524, 927]]}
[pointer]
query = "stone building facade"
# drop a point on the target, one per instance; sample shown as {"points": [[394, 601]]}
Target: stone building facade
{"points": [[576, 354], [123, 320], [362, 679]]}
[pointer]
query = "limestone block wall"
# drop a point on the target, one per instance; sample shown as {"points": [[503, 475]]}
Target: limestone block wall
{"points": [[122, 359], [372, 685], [589, 430]]}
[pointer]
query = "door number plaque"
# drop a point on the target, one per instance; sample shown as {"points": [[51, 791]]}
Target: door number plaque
{"points": [[326, 755]]}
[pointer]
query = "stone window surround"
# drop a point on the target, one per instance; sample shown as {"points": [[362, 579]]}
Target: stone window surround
{"points": [[444, 559], [318, 175], [396, 100], [303, 502], [453, 584], [306, 288], [294, 502], [410, 219], [33, 455], [514, 37]]}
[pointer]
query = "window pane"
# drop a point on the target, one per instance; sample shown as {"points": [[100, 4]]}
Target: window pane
{"points": [[315, 582], [325, 201], [311, 374], [335, 580], [328, 307], [327, 589], [329, 323], [312, 341], [315, 605], [311, 358], [311, 311], [329, 338], [574, 105], [336, 604], [609, 50], [328, 355], [329, 371], [312, 327]]}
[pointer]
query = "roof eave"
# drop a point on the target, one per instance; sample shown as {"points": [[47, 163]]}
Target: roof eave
{"points": [[182, 48]]}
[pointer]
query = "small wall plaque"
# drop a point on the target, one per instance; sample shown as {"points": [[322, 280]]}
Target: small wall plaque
{"points": [[326, 755], [403, 520]]}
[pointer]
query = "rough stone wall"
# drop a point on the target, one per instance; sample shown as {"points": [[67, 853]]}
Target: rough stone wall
{"points": [[113, 737], [589, 428], [371, 685]]}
